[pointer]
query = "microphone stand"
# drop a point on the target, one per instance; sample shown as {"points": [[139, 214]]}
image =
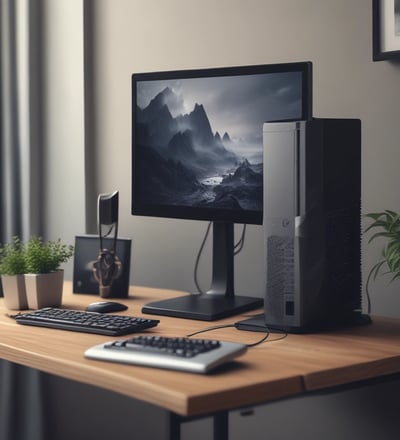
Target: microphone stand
{"points": [[108, 266]]}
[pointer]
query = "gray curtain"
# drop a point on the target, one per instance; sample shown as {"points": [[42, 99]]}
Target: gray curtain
{"points": [[20, 118], [21, 403]]}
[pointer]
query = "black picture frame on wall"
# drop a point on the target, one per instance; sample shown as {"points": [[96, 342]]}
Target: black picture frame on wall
{"points": [[386, 29]]}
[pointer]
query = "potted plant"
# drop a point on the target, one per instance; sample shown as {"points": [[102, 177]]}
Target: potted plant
{"points": [[43, 276], [388, 225], [12, 269]]}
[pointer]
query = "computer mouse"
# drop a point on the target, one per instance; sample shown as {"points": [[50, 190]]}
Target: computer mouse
{"points": [[106, 307]]}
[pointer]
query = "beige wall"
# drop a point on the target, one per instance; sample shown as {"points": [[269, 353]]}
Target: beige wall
{"points": [[63, 104]]}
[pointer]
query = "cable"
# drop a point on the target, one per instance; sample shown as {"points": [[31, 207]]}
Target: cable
{"points": [[283, 336], [263, 339], [196, 265], [239, 245], [209, 329], [108, 232], [368, 297], [237, 248]]}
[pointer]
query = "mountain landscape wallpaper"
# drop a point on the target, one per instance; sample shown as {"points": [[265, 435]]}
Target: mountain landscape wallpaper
{"points": [[199, 140]]}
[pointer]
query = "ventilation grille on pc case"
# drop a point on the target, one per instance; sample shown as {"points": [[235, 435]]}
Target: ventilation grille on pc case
{"points": [[344, 258], [280, 269]]}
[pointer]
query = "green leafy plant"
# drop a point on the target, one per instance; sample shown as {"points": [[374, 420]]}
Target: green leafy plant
{"points": [[12, 258], [45, 257], [388, 225]]}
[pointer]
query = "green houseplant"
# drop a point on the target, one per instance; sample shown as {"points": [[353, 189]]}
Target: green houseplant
{"points": [[45, 256], [387, 224], [12, 269], [43, 276], [30, 272]]}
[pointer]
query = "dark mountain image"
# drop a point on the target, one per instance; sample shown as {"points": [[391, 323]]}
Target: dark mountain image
{"points": [[244, 174], [198, 122], [226, 139], [181, 145], [181, 161], [163, 181], [155, 122], [243, 188]]}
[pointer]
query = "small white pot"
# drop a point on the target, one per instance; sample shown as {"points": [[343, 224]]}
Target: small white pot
{"points": [[14, 292], [44, 289]]}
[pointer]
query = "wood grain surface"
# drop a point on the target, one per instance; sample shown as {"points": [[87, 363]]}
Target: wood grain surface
{"points": [[275, 369]]}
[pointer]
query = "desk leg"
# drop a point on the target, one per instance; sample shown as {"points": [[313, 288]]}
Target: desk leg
{"points": [[220, 426], [175, 426]]}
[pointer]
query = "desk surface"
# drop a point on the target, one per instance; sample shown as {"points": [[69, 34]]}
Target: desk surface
{"points": [[272, 370]]}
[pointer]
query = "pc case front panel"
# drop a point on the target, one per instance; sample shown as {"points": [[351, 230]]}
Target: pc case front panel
{"points": [[312, 181], [281, 218]]}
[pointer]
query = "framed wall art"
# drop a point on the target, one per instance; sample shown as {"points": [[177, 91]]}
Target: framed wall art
{"points": [[386, 29], [86, 254]]}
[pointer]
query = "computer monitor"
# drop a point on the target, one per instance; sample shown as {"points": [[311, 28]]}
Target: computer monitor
{"points": [[197, 153]]}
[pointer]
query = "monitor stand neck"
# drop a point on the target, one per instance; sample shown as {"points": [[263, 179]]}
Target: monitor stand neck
{"points": [[222, 282], [218, 302]]}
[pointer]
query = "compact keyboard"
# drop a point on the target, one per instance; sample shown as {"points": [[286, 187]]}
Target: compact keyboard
{"points": [[86, 322], [192, 355]]}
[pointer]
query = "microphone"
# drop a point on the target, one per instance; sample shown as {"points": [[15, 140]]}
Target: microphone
{"points": [[108, 266]]}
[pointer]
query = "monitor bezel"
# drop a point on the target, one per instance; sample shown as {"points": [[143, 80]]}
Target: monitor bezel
{"points": [[138, 207]]}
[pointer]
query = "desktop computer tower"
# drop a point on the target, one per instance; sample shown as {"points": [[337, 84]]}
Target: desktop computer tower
{"points": [[312, 224]]}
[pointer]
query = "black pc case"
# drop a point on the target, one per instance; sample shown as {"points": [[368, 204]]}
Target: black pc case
{"points": [[312, 224]]}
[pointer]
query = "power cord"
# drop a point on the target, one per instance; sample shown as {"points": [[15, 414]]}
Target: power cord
{"points": [[196, 265], [237, 248], [239, 245], [254, 344], [368, 294]]}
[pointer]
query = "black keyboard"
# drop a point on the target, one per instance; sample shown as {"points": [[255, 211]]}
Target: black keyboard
{"points": [[192, 355], [86, 322]]}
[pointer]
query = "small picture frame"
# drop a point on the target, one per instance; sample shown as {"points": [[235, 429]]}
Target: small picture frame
{"points": [[386, 29], [86, 252]]}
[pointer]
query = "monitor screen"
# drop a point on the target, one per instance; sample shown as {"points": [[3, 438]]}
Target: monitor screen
{"points": [[197, 146]]}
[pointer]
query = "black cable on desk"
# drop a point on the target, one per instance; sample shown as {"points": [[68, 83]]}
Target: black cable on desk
{"points": [[216, 327]]}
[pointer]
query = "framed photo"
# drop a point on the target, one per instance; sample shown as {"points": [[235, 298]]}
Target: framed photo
{"points": [[85, 255], [386, 29]]}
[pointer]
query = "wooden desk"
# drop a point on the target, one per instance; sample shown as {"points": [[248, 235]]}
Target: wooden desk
{"points": [[270, 371]]}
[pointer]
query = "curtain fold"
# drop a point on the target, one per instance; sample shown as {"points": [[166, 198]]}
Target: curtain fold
{"points": [[20, 119], [21, 404]]}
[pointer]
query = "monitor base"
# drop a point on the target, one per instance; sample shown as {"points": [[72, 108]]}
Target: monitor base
{"points": [[203, 307]]}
